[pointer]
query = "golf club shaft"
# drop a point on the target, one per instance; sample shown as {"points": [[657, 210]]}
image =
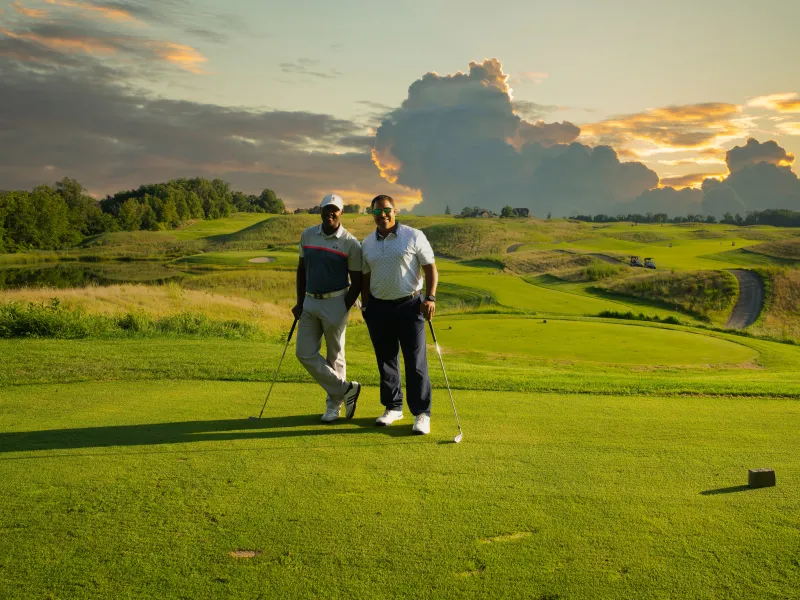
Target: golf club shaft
{"points": [[447, 382], [275, 377]]}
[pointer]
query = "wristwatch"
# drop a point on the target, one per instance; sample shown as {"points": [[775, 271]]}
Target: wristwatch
{"points": [[430, 298]]}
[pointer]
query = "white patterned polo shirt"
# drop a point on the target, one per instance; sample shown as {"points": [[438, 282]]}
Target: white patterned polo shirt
{"points": [[395, 262]]}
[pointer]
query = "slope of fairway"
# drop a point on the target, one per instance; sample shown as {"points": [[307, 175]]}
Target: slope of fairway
{"points": [[516, 293], [152, 490], [589, 341], [237, 258], [227, 225]]}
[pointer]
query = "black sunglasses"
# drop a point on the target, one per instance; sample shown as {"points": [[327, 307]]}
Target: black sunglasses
{"points": [[387, 210]]}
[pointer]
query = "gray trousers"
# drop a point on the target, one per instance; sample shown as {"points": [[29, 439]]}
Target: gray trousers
{"points": [[324, 317]]}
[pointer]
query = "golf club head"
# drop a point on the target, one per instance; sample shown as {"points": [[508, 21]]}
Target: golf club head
{"points": [[458, 438]]}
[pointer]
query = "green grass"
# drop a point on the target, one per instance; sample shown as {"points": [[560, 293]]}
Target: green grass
{"points": [[281, 260], [143, 489], [208, 228], [591, 341]]}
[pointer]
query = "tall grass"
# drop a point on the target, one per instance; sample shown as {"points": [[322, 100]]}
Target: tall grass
{"points": [[700, 293], [54, 320]]}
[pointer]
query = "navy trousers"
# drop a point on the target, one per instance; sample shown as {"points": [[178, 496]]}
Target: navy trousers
{"points": [[393, 327]]}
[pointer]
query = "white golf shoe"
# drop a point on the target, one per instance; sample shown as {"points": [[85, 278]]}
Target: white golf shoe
{"points": [[389, 417], [331, 414], [422, 424]]}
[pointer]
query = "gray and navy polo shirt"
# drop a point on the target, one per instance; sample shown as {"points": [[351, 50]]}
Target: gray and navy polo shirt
{"points": [[328, 258]]}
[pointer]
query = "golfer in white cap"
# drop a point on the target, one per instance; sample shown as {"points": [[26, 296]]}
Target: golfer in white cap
{"points": [[328, 283]]}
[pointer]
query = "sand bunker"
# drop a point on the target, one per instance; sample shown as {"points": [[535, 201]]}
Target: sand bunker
{"points": [[262, 259]]}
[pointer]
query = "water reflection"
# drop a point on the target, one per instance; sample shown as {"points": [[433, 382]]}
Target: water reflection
{"points": [[76, 274]]}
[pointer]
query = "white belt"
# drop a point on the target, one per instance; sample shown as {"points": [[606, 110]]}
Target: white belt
{"points": [[328, 294]]}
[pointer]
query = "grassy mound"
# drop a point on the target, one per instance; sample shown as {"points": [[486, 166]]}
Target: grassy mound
{"points": [[701, 292], [276, 231], [530, 263], [785, 249], [640, 237], [780, 317]]}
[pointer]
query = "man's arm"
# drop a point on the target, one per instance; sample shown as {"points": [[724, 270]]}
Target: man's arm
{"points": [[431, 281], [355, 289], [300, 285], [365, 277]]}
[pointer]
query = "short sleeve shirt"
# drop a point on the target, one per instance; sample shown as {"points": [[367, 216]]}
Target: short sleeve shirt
{"points": [[328, 258], [395, 262]]}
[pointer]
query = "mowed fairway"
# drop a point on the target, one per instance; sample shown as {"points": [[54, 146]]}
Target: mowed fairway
{"points": [[589, 341], [143, 490]]}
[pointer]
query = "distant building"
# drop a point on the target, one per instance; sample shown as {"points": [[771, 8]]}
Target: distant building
{"points": [[522, 212]]}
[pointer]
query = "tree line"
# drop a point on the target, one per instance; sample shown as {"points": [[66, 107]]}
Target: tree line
{"points": [[771, 216], [60, 216]]}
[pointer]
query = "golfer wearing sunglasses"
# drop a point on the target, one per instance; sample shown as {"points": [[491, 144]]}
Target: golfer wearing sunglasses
{"points": [[328, 284], [395, 259]]}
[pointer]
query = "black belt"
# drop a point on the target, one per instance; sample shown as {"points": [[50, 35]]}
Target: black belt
{"points": [[399, 300]]}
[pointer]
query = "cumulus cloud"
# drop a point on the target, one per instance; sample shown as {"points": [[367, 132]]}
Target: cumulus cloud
{"points": [[754, 152], [721, 199], [458, 139], [666, 200]]}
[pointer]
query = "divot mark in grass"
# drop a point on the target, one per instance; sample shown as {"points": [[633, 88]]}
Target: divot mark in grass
{"points": [[262, 259], [509, 537], [244, 553]]}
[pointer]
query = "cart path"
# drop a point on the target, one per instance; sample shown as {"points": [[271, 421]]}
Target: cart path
{"points": [[750, 302]]}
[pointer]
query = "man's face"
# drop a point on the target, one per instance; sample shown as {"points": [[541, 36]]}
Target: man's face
{"points": [[386, 217], [330, 217]]}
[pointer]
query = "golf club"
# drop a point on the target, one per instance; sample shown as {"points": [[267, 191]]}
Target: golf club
{"points": [[275, 377], [460, 435]]}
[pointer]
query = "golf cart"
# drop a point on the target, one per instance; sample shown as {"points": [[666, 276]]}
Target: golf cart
{"points": [[649, 263], [636, 261]]}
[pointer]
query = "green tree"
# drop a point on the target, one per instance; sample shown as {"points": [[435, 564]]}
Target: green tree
{"points": [[466, 212], [352, 208], [447, 209], [507, 211], [130, 215], [270, 202]]}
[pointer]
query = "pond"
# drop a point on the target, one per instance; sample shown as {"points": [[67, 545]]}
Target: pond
{"points": [[83, 274]]}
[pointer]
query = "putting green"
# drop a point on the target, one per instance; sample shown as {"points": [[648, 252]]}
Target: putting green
{"points": [[589, 341]]}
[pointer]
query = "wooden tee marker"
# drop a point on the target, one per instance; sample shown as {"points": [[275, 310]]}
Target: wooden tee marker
{"points": [[758, 478]]}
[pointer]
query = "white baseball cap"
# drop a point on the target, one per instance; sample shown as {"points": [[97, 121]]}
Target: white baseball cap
{"points": [[332, 199]]}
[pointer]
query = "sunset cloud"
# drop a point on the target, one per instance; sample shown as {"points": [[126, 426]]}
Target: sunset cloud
{"points": [[33, 13], [537, 77], [784, 103], [113, 13], [183, 56], [458, 139], [672, 128], [790, 128], [692, 180], [755, 152], [66, 44]]}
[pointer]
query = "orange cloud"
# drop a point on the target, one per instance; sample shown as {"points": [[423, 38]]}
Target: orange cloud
{"points": [[185, 57], [84, 44], [387, 164], [672, 128], [785, 103], [33, 13], [692, 180], [114, 14]]}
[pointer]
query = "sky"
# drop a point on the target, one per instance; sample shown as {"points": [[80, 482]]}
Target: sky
{"points": [[570, 107]]}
